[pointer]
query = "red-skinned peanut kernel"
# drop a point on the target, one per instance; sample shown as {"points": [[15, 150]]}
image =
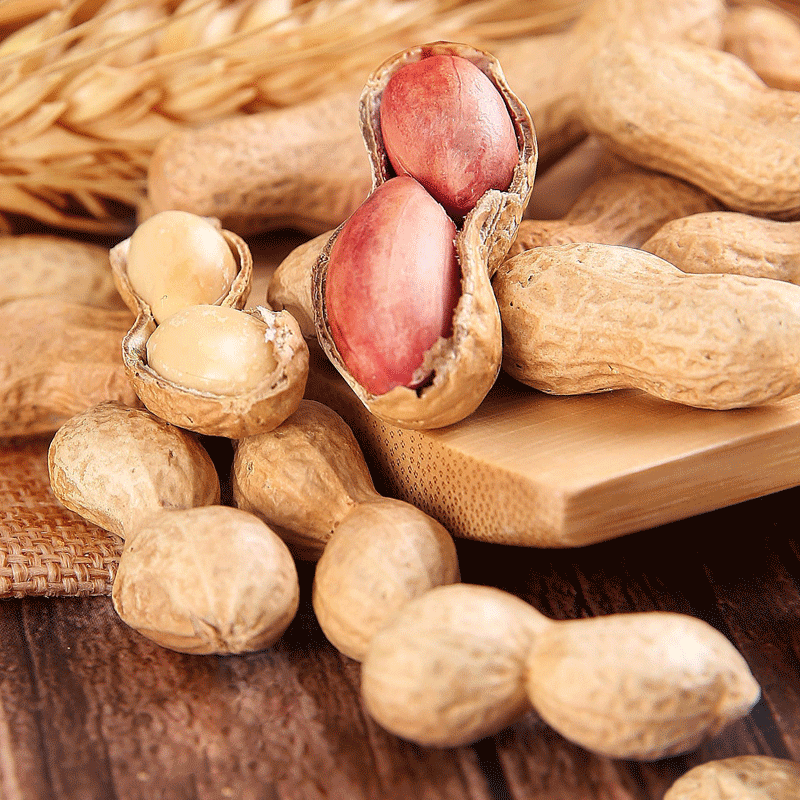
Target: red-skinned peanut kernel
{"points": [[392, 284], [445, 123]]}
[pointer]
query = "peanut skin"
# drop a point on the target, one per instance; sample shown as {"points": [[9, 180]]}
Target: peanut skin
{"points": [[587, 317], [701, 115], [730, 242], [392, 285], [444, 123]]}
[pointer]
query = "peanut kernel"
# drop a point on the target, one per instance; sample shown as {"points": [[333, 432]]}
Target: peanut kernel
{"points": [[177, 259], [212, 349]]}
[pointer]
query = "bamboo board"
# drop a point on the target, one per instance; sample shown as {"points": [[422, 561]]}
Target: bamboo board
{"points": [[538, 470]]}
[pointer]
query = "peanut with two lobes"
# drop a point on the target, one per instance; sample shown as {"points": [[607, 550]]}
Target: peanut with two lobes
{"points": [[463, 661], [401, 272], [195, 358], [307, 479], [588, 317], [193, 576]]}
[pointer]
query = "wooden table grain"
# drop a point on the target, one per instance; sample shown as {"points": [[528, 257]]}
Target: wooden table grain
{"points": [[90, 710]]}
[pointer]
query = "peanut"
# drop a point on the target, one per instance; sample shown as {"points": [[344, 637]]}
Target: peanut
{"points": [[587, 317], [241, 377], [444, 123], [767, 40], [701, 115], [750, 777], [308, 480], [624, 208], [301, 167], [462, 357], [62, 359], [116, 465], [391, 287], [206, 580], [643, 686], [730, 242], [42, 265], [176, 259], [212, 349], [449, 668], [382, 555]]}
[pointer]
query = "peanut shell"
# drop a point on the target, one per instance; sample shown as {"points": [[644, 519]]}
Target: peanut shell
{"points": [[730, 242], [303, 477], [62, 358], [234, 416], [747, 777], [115, 465], [206, 580], [449, 668], [638, 686], [701, 115], [382, 555], [40, 265], [465, 365], [587, 317]]}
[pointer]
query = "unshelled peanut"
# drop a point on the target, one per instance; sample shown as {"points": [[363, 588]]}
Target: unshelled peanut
{"points": [[587, 317], [624, 208], [116, 465], [752, 777], [62, 358], [206, 580], [702, 115], [638, 686], [730, 242], [308, 480]]}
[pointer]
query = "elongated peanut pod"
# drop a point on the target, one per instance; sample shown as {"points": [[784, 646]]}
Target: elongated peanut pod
{"points": [[624, 208], [116, 465], [701, 115], [641, 686], [302, 167], [206, 580], [39, 265], [62, 359], [768, 40], [587, 317], [382, 555], [730, 242], [450, 667], [757, 777], [303, 477]]}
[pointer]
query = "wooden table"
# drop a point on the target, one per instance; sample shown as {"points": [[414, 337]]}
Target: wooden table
{"points": [[90, 709]]}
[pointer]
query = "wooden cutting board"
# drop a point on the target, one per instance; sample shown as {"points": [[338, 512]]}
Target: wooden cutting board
{"points": [[534, 469]]}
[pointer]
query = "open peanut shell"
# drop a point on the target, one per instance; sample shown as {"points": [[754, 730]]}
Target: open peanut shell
{"points": [[236, 297], [261, 409], [464, 366], [234, 416]]}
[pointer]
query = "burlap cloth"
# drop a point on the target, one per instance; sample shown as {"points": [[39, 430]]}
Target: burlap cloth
{"points": [[45, 549]]}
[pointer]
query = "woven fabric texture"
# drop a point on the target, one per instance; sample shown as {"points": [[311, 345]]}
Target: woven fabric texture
{"points": [[45, 549]]}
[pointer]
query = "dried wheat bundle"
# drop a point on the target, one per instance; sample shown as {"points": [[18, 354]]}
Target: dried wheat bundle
{"points": [[87, 88]]}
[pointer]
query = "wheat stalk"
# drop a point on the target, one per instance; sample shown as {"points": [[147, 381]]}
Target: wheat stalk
{"points": [[86, 92]]}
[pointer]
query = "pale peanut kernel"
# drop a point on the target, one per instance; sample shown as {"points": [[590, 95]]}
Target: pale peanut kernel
{"points": [[212, 349], [177, 259]]}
